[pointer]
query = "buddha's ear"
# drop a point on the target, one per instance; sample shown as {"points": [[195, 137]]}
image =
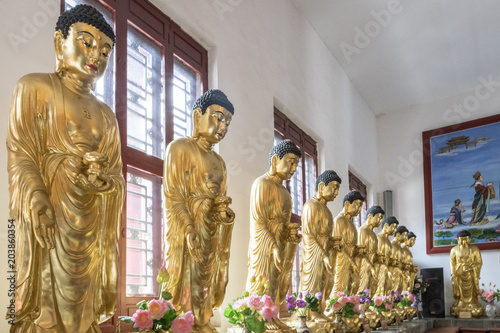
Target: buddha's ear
{"points": [[274, 163], [196, 121], [320, 188], [58, 46]]}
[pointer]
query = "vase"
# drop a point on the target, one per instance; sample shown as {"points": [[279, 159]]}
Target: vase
{"points": [[491, 310], [302, 325], [353, 324]]}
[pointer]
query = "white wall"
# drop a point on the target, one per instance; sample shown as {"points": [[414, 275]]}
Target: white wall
{"points": [[262, 54], [401, 170]]}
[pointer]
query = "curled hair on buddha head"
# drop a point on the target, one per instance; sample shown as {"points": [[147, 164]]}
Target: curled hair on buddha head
{"points": [[374, 210], [411, 235], [390, 220], [401, 229], [463, 233], [85, 14], [352, 196], [282, 148], [327, 177], [211, 97]]}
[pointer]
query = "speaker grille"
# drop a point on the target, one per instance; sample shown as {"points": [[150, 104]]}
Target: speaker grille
{"points": [[433, 298]]}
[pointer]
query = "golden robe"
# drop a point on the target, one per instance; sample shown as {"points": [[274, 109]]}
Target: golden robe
{"points": [[72, 287], [317, 227], [270, 212], [382, 265], [407, 277], [368, 238], [191, 182], [395, 267], [344, 264]]}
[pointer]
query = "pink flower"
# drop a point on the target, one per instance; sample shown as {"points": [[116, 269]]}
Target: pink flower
{"points": [[157, 308], [254, 302], [349, 299], [356, 308], [378, 300], [411, 298], [240, 304], [356, 299], [270, 312], [183, 324], [267, 301], [142, 320], [417, 285], [343, 300], [388, 306], [337, 306]]}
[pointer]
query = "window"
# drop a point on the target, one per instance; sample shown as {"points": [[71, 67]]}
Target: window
{"points": [[302, 185], [355, 184], [155, 74]]}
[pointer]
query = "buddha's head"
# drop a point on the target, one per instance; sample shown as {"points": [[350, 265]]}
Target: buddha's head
{"points": [[390, 225], [212, 114], [375, 216], [401, 234], [284, 158], [464, 238], [83, 41], [411, 239], [327, 185], [353, 202]]}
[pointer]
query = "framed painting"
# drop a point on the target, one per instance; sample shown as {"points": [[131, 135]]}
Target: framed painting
{"points": [[462, 184]]}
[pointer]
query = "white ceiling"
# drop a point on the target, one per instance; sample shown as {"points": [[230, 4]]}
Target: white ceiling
{"points": [[430, 49]]}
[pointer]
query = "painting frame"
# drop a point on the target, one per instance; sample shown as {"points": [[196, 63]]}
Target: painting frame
{"points": [[429, 193]]}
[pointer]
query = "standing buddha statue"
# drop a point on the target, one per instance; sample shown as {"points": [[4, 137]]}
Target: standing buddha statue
{"points": [[408, 268], [368, 238], [273, 238], [198, 220], [318, 246], [384, 251], [346, 269], [66, 184], [465, 264], [400, 237]]}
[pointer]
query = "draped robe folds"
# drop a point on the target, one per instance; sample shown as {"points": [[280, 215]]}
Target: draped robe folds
{"points": [[270, 212], [190, 187], [317, 228], [368, 238], [407, 275], [72, 287], [395, 266], [466, 268], [382, 269], [343, 226]]}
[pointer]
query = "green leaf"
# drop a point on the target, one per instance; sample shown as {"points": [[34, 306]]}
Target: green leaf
{"points": [[126, 319], [255, 325], [143, 305], [166, 295]]}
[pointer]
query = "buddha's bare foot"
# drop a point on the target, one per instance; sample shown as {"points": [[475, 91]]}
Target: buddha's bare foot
{"points": [[277, 325]]}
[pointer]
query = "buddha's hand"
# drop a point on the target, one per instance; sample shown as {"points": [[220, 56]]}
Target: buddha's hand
{"points": [[223, 214], [102, 184], [328, 265], [193, 244], [293, 233], [43, 222], [277, 258]]}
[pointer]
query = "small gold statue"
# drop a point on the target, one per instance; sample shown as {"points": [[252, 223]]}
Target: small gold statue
{"points": [[400, 236], [409, 269], [273, 239], [368, 238], [66, 184], [198, 220], [318, 246], [465, 264], [346, 269], [384, 251]]}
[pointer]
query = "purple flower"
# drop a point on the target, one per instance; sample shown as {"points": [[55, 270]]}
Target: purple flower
{"points": [[300, 295], [290, 298], [301, 304], [367, 291], [291, 306], [319, 296], [306, 293]]}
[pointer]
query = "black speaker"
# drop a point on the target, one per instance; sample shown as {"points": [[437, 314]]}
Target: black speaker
{"points": [[433, 298]]}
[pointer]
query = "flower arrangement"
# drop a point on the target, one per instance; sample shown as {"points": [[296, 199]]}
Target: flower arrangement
{"points": [[407, 299], [382, 303], [364, 297], [420, 285], [348, 306], [302, 303], [490, 295], [160, 314], [252, 310]]}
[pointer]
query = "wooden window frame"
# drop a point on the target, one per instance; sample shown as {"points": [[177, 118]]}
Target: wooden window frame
{"points": [[356, 184]]}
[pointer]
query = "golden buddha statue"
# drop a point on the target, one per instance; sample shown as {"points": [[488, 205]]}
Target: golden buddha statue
{"points": [[318, 246], [408, 267], [273, 238], [66, 184], [465, 264], [367, 237], [346, 269], [384, 251], [396, 263], [198, 220]]}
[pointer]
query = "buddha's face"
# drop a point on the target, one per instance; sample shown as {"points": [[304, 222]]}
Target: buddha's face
{"points": [[411, 241], [330, 191], [286, 167], [392, 229], [376, 220], [464, 241], [213, 125], [85, 52], [404, 237], [354, 208]]}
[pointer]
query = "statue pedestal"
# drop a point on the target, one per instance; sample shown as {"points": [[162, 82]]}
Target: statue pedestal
{"points": [[313, 326]]}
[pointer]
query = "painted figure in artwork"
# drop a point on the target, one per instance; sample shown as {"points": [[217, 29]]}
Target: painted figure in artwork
{"points": [[482, 197], [66, 184], [199, 222], [456, 215]]}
